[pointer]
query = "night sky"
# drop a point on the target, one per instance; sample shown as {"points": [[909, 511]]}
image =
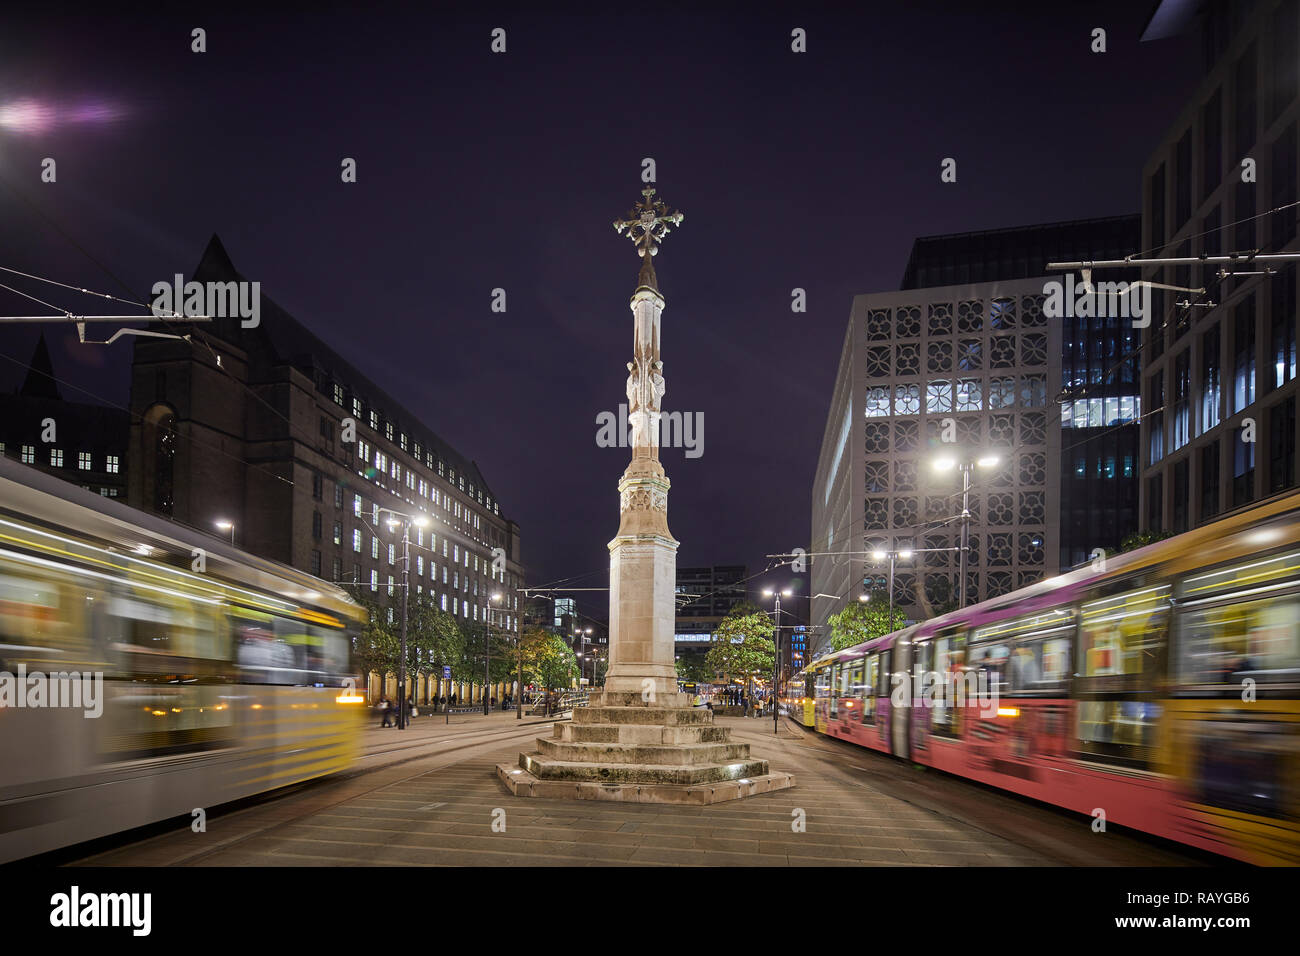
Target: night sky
{"points": [[478, 171]]}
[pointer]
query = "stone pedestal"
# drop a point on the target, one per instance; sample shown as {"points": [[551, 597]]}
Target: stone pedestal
{"points": [[625, 747]]}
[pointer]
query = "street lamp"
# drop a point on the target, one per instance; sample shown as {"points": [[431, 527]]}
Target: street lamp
{"points": [[406, 521], [947, 463], [904, 554], [225, 525], [776, 660], [583, 635]]}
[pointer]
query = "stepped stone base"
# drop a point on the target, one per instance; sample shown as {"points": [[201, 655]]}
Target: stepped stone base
{"points": [[625, 748]]}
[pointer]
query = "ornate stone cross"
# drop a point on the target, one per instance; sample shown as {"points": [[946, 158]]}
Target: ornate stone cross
{"points": [[651, 217]]}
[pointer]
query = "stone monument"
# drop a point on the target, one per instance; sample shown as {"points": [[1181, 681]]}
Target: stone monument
{"points": [[640, 739]]}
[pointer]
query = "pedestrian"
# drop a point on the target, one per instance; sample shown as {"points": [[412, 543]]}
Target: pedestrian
{"points": [[386, 710]]}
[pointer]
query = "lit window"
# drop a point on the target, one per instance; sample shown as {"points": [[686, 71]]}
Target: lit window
{"points": [[112, 466], [356, 540], [374, 580], [392, 553], [374, 548], [56, 457], [29, 455], [83, 460], [388, 430]]}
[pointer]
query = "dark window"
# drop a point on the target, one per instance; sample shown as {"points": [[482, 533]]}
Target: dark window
{"points": [[1209, 481], [315, 563], [317, 486], [1281, 446], [1283, 173], [1180, 497], [1211, 246], [1243, 467], [1157, 208], [1286, 58], [1243, 212], [1155, 502], [1211, 144], [1183, 180], [315, 525], [1245, 104], [337, 569]]}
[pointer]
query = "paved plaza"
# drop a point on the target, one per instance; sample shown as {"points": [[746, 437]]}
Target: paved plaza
{"points": [[429, 796]]}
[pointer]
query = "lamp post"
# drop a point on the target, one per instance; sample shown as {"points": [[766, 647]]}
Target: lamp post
{"points": [[406, 521], [776, 661], [904, 554], [946, 463], [225, 525]]}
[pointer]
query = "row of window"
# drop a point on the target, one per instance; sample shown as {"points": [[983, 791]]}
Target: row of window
{"points": [[963, 395], [419, 452], [454, 604], [1197, 408], [85, 460], [1281, 475]]}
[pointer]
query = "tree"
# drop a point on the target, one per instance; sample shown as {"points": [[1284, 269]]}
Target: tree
{"points": [[375, 649], [742, 647], [434, 639], [694, 667], [558, 665], [864, 621], [1140, 539]]}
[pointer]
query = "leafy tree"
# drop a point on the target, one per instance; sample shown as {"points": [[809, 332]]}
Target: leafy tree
{"points": [[434, 639], [375, 648], [742, 647], [864, 620], [558, 665], [1140, 539], [694, 667]]}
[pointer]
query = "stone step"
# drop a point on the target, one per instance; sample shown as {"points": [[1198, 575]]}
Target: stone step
{"points": [[544, 768], [623, 699], [641, 734], [674, 716], [687, 755]]}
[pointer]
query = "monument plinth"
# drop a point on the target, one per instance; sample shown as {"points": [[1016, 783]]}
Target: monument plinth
{"points": [[639, 739]]}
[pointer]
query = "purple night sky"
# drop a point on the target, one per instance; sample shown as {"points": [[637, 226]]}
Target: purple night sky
{"points": [[478, 171]]}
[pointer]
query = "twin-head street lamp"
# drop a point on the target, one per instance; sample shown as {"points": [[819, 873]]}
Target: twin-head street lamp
{"points": [[404, 521], [904, 554], [776, 660], [966, 464]]}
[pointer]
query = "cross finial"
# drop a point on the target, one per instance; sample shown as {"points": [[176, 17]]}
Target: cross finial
{"points": [[647, 223]]}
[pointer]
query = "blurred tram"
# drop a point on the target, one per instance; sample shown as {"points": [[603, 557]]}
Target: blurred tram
{"points": [[222, 675], [1160, 691], [797, 697]]}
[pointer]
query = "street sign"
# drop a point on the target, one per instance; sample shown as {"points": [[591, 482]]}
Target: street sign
{"points": [[446, 673]]}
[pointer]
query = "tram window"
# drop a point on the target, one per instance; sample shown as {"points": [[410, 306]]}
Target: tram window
{"points": [[1040, 664], [869, 684], [1122, 639], [169, 635], [988, 662], [1118, 731], [949, 668], [884, 686], [1229, 643], [263, 656]]}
